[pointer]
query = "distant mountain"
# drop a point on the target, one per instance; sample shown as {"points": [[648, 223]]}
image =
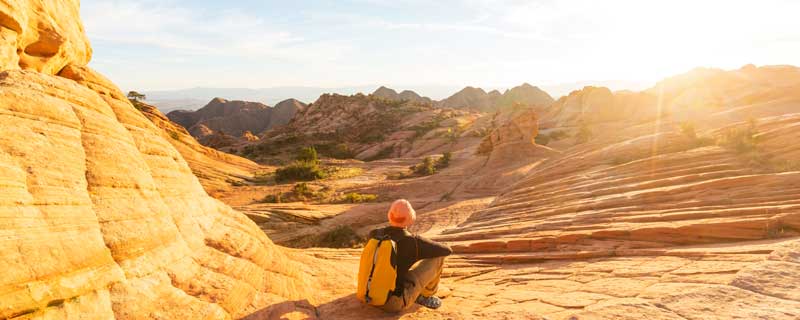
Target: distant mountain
{"points": [[390, 94], [478, 99], [525, 94], [472, 98], [235, 118], [195, 98]]}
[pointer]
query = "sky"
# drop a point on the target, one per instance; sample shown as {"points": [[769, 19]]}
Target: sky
{"points": [[175, 44]]}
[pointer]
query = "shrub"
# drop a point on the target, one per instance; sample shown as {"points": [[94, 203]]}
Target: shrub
{"points": [[341, 237], [444, 161], [542, 139], [272, 198], [741, 140], [174, 135], [354, 197], [307, 154], [302, 191], [299, 171], [688, 130], [334, 173], [336, 151], [426, 168]]}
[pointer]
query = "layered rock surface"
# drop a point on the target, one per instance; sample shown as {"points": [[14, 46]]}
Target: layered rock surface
{"points": [[216, 170], [650, 218], [100, 215]]}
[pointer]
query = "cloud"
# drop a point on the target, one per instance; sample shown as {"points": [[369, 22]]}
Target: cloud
{"points": [[194, 31]]}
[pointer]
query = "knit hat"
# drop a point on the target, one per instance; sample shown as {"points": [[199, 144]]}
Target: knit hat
{"points": [[401, 214]]}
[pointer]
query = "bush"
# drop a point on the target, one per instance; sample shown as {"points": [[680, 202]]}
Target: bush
{"points": [[741, 140], [338, 172], [174, 135], [444, 161], [336, 151], [272, 198], [354, 197], [341, 237], [688, 130], [299, 171], [307, 154], [542, 139], [302, 191], [425, 168]]}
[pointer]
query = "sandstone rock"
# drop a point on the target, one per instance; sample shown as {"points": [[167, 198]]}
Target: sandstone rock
{"points": [[104, 217], [42, 35], [216, 170]]}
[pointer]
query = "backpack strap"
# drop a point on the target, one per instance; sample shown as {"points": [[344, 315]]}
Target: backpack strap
{"points": [[416, 244]]}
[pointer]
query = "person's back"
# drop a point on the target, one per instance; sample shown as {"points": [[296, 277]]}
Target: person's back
{"points": [[419, 261]]}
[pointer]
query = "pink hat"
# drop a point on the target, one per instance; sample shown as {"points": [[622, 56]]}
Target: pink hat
{"points": [[401, 214]]}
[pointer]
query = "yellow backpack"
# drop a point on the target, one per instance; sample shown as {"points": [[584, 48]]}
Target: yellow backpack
{"points": [[377, 272]]}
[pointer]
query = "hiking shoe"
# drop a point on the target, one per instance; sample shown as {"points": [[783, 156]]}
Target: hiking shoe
{"points": [[431, 302]]}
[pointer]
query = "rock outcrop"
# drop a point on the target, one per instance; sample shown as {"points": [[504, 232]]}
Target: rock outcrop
{"points": [[233, 118], [372, 127], [477, 99], [406, 95], [102, 216], [592, 105], [526, 95], [472, 98]]}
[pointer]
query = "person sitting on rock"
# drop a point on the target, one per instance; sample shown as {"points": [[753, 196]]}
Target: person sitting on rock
{"points": [[419, 261]]}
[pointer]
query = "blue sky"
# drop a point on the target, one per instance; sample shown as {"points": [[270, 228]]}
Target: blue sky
{"points": [[171, 44]]}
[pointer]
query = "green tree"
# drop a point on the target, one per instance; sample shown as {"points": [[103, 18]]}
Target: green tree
{"points": [[135, 96], [308, 154]]}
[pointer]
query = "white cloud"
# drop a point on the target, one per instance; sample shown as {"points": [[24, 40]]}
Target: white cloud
{"points": [[193, 31]]}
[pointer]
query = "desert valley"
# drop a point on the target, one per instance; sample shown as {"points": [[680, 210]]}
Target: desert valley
{"points": [[680, 201]]}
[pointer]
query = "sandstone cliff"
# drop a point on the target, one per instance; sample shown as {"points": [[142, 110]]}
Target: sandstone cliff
{"points": [[103, 216]]}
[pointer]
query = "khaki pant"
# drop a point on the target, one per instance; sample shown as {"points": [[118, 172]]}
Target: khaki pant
{"points": [[422, 278]]}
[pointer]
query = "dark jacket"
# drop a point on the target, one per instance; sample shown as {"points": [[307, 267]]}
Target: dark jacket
{"points": [[410, 249]]}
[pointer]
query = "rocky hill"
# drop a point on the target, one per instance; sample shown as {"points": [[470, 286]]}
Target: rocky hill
{"points": [[478, 99], [368, 127], [407, 95], [103, 217], [234, 118], [472, 98]]}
